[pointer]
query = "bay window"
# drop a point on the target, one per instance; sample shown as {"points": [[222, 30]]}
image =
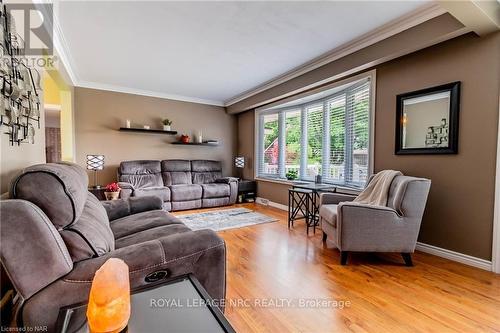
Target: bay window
{"points": [[325, 133]]}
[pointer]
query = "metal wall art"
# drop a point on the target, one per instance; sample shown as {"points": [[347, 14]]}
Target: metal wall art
{"points": [[19, 100]]}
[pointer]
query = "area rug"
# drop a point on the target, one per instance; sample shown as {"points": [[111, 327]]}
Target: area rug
{"points": [[225, 219]]}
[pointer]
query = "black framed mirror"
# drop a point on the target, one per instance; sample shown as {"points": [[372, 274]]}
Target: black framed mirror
{"points": [[427, 120]]}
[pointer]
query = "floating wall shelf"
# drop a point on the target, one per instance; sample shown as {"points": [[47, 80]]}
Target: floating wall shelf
{"points": [[143, 130], [196, 144]]}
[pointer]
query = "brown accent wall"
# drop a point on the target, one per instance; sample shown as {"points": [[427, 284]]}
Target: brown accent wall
{"points": [[99, 114], [246, 142], [459, 214]]}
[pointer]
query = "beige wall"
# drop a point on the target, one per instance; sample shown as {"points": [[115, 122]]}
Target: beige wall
{"points": [[99, 114], [459, 213], [14, 158]]}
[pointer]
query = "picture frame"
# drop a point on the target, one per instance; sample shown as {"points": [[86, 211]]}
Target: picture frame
{"points": [[427, 120]]}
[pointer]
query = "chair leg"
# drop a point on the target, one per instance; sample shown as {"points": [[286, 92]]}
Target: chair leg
{"points": [[343, 257], [324, 236], [407, 259]]}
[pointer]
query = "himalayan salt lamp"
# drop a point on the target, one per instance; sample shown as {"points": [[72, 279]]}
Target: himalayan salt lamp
{"points": [[109, 301]]}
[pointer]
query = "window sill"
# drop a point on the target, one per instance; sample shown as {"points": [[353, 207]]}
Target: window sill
{"points": [[276, 181], [338, 188]]}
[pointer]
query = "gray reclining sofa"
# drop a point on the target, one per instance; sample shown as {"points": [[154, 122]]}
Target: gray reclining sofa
{"points": [[55, 235], [181, 184]]}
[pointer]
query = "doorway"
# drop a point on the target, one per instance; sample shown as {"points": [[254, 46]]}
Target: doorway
{"points": [[53, 152]]}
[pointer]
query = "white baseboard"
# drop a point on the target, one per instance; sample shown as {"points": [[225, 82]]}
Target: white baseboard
{"points": [[267, 202], [431, 249], [455, 256]]}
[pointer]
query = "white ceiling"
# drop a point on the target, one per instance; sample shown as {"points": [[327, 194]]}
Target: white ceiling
{"points": [[207, 51]]}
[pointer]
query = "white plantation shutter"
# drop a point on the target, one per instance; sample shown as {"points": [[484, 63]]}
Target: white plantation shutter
{"points": [[314, 132], [336, 154], [357, 134], [293, 139], [268, 149], [329, 136]]}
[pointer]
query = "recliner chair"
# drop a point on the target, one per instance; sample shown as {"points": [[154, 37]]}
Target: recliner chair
{"points": [[55, 235]]}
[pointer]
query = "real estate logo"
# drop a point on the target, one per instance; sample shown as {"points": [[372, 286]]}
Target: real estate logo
{"points": [[32, 28]]}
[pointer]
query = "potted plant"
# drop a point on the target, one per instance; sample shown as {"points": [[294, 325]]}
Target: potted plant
{"points": [[291, 175], [166, 124], [112, 191]]}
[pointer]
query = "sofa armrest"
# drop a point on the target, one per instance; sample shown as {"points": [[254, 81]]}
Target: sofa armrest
{"points": [[334, 198], [33, 253], [125, 185], [127, 190], [226, 180], [233, 184], [133, 205]]}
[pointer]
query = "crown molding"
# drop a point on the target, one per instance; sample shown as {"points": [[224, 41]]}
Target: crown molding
{"points": [[149, 93], [405, 22], [62, 49]]}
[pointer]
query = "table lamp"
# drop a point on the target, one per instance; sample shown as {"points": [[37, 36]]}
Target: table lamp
{"points": [[109, 300], [239, 163], [95, 163]]}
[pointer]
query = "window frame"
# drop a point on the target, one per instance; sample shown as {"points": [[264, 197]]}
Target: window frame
{"points": [[275, 108]]}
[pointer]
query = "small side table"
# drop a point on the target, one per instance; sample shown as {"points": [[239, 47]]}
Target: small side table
{"points": [[247, 190], [180, 305], [98, 192]]}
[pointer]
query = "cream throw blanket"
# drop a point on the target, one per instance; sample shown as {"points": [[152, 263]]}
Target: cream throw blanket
{"points": [[377, 192]]}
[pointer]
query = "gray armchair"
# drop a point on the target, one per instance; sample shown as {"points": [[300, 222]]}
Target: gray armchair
{"points": [[356, 227]]}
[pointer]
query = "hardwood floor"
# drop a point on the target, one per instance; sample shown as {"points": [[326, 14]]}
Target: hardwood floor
{"points": [[268, 263]]}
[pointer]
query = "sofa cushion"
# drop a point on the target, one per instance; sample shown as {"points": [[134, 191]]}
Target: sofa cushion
{"points": [[183, 205], [205, 171], [90, 236], [216, 190], [214, 202], [132, 224], [175, 172], [141, 173], [151, 234], [185, 192], [161, 191], [329, 214]]}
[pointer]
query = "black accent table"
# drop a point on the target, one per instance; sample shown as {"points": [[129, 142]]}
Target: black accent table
{"points": [[247, 190], [181, 305], [98, 192], [309, 203]]}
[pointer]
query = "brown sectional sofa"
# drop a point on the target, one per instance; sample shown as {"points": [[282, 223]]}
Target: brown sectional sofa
{"points": [[181, 184]]}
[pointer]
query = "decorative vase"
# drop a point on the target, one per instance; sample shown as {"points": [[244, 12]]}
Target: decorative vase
{"points": [[184, 139], [112, 195], [166, 127]]}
